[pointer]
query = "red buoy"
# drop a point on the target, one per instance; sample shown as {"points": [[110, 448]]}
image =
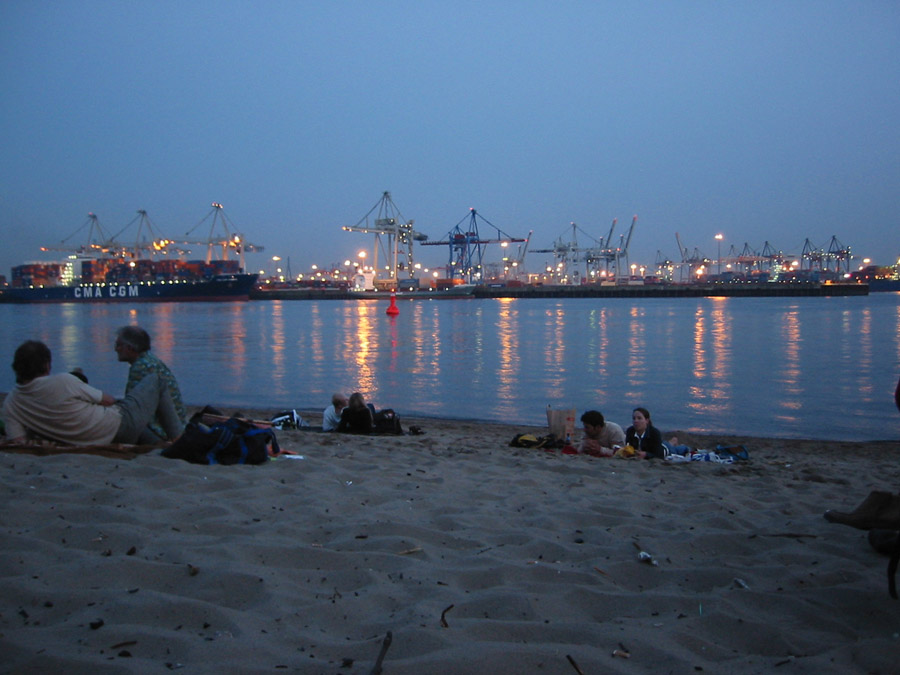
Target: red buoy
{"points": [[393, 310]]}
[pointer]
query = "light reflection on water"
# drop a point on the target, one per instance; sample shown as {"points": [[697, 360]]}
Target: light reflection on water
{"points": [[810, 367]]}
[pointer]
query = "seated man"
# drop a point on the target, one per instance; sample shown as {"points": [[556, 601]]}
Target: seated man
{"points": [[331, 418], [63, 408], [600, 436], [133, 346]]}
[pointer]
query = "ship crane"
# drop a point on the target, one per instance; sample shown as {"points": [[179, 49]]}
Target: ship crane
{"points": [[467, 247], [232, 241], [388, 221]]}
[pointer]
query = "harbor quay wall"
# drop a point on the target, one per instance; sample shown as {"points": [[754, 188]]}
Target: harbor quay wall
{"points": [[772, 289]]}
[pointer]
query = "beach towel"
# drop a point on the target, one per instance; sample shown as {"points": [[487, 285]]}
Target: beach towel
{"points": [[49, 448]]}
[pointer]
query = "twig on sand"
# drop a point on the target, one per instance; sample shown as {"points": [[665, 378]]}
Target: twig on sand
{"points": [[408, 551], [574, 665], [789, 535], [376, 669], [444, 615]]}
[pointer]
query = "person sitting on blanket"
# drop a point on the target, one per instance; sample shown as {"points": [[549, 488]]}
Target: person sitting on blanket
{"points": [[133, 347], [358, 417], [601, 437], [65, 409], [644, 437], [331, 418]]}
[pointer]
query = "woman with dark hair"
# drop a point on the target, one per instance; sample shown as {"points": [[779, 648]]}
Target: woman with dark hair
{"points": [[357, 417], [644, 437]]}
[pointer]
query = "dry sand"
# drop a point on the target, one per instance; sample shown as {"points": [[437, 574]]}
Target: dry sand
{"points": [[476, 556]]}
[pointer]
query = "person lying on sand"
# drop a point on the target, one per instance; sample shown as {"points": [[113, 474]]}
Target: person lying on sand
{"points": [[644, 437], [601, 438]]}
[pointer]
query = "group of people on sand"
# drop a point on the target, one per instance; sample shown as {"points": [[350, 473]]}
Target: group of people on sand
{"points": [[67, 409], [349, 415], [607, 439]]}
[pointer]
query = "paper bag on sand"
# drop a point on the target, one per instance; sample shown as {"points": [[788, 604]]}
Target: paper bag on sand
{"points": [[561, 422]]}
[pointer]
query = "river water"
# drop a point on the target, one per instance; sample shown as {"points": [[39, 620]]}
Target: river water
{"points": [[821, 368]]}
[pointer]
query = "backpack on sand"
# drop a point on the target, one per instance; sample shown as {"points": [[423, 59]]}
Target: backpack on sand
{"points": [[234, 441], [387, 422]]}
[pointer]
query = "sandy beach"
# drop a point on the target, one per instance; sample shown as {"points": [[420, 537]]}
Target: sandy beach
{"points": [[475, 556]]}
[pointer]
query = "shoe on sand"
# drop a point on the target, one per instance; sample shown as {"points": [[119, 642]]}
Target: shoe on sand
{"points": [[880, 510]]}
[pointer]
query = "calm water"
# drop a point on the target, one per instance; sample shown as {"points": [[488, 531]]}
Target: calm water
{"points": [[795, 367]]}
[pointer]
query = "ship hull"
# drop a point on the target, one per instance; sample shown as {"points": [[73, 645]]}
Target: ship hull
{"points": [[226, 287]]}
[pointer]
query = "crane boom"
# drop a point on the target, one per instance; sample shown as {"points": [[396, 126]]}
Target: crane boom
{"points": [[608, 239]]}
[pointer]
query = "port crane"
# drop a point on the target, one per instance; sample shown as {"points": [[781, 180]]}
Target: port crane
{"points": [[388, 221], [693, 260], [158, 244], [774, 258], [566, 252], [467, 247], [98, 241], [231, 242], [597, 258], [840, 254], [623, 250]]}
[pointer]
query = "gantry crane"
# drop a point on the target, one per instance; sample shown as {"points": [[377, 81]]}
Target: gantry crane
{"points": [[389, 222], [231, 242], [98, 242], [602, 254], [467, 247], [624, 250], [840, 254]]}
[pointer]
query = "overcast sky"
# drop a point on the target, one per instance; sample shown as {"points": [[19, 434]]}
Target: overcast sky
{"points": [[766, 121]]}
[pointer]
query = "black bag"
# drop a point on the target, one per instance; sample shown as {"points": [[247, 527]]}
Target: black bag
{"points": [[234, 441], [387, 422]]}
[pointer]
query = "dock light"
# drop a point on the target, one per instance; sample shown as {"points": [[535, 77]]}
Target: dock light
{"points": [[361, 254], [719, 238]]}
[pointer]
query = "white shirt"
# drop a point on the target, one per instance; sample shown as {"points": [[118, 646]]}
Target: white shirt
{"points": [[62, 408], [331, 418]]}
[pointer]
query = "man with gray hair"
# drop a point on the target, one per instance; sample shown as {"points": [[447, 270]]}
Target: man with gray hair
{"points": [[133, 346]]}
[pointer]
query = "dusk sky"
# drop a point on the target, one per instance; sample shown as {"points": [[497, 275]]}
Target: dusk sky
{"points": [[764, 121]]}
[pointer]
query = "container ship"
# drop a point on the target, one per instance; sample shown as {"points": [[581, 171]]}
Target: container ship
{"points": [[119, 280], [113, 272]]}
